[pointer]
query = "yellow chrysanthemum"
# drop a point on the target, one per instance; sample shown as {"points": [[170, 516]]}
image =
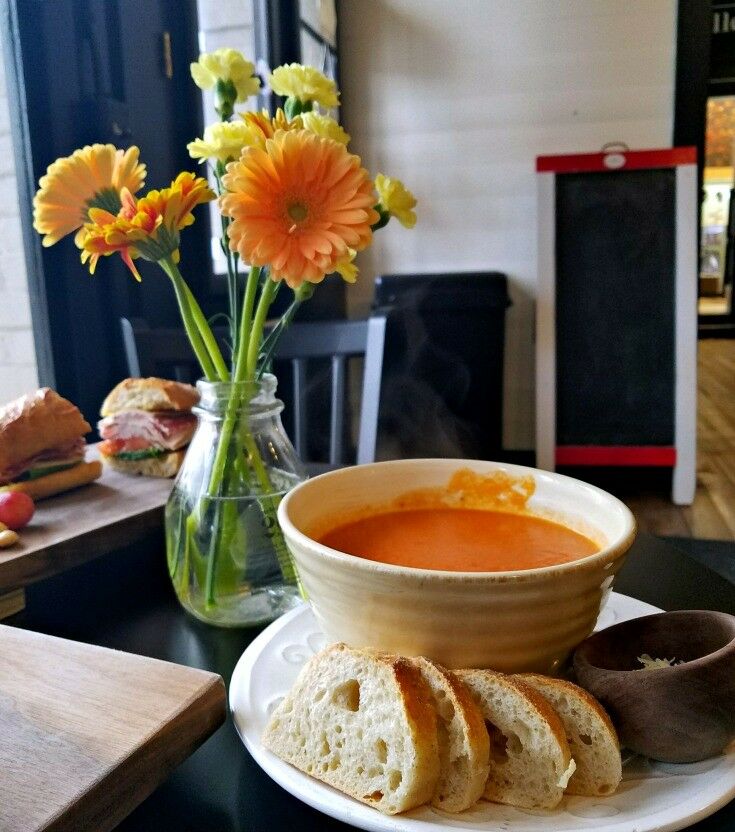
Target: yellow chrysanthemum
{"points": [[93, 176], [229, 65], [304, 83], [346, 267], [298, 206], [265, 127], [224, 141], [325, 126], [147, 227], [396, 199]]}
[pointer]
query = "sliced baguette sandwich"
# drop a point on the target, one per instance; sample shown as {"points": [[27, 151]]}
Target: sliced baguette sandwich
{"points": [[590, 734], [364, 723], [42, 446], [464, 744], [530, 760], [147, 424]]}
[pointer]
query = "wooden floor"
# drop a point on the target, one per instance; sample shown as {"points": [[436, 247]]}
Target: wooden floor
{"points": [[712, 515]]}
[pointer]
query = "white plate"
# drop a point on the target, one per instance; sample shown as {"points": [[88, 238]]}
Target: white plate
{"points": [[653, 796]]}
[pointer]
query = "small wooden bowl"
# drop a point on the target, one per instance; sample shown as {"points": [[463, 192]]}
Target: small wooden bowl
{"points": [[677, 714]]}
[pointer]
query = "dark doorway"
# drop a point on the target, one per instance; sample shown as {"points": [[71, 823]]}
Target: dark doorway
{"points": [[85, 71], [705, 116]]}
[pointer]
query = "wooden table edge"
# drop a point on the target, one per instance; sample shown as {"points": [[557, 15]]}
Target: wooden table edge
{"points": [[122, 788], [30, 567]]}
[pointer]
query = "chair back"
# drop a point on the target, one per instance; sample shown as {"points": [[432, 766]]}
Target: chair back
{"points": [[167, 353]]}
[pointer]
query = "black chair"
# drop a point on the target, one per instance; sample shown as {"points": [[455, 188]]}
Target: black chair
{"points": [[167, 353]]}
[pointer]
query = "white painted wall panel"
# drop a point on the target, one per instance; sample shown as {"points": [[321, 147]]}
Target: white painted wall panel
{"points": [[458, 98]]}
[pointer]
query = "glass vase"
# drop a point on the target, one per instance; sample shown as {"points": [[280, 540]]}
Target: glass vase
{"points": [[226, 554]]}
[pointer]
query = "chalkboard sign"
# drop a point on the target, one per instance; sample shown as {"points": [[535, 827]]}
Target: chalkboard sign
{"points": [[616, 311], [615, 271]]}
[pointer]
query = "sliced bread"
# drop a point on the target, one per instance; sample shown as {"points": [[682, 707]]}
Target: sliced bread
{"points": [[590, 733], [464, 745], [364, 723], [530, 761]]}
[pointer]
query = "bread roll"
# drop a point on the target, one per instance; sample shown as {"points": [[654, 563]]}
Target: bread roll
{"points": [[150, 394], [35, 423]]}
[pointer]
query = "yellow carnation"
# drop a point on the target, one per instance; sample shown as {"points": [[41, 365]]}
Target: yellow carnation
{"points": [[396, 199], [223, 141], [325, 126], [304, 83], [229, 65], [346, 267]]}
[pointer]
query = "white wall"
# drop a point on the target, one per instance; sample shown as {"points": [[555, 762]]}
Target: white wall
{"points": [[18, 371], [458, 97]]}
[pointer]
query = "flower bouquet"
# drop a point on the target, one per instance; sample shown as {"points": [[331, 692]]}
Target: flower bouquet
{"points": [[295, 206]]}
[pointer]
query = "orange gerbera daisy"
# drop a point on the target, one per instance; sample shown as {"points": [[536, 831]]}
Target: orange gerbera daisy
{"points": [[298, 206], [147, 227], [92, 177]]}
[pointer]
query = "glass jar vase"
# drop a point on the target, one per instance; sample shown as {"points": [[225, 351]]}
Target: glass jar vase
{"points": [[226, 554]]}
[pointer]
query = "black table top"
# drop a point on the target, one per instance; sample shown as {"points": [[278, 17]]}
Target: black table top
{"points": [[125, 602]]}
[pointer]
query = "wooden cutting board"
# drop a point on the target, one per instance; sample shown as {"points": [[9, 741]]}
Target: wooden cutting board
{"points": [[83, 524], [87, 733]]}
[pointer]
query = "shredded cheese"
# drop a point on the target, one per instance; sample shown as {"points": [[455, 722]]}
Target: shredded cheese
{"points": [[650, 663]]}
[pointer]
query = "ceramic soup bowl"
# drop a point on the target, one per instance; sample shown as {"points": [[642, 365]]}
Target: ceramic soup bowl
{"points": [[525, 620]]}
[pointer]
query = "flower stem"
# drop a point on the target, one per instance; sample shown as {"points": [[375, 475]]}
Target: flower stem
{"points": [[261, 313], [192, 331], [207, 335], [268, 347]]}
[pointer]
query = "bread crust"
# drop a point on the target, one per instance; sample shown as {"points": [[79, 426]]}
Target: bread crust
{"points": [[58, 482], [475, 739], [598, 774], [151, 394], [570, 687], [164, 466], [501, 789], [38, 422], [551, 717], [413, 702]]}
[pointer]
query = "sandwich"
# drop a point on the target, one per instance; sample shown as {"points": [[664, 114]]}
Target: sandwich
{"points": [[42, 445], [147, 424]]}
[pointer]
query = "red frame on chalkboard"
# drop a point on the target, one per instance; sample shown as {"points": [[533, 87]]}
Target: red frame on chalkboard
{"points": [[663, 456], [613, 160]]}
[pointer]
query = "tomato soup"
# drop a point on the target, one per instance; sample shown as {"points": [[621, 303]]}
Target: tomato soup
{"points": [[459, 540]]}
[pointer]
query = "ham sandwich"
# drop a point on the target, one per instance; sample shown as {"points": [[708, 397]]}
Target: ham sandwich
{"points": [[40, 433], [146, 423]]}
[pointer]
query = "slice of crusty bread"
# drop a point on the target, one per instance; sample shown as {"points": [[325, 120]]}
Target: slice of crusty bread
{"points": [[150, 394], [166, 465], [464, 745], [590, 733], [362, 722], [38, 422], [530, 762]]}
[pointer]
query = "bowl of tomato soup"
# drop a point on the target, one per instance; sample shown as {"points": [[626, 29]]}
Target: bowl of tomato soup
{"points": [[472, 563]]}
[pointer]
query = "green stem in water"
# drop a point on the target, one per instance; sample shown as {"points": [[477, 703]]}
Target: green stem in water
{"points": [[219, 465]]}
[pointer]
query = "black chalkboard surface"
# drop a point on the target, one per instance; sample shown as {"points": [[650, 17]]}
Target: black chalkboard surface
{"points": [[615, 272]]}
